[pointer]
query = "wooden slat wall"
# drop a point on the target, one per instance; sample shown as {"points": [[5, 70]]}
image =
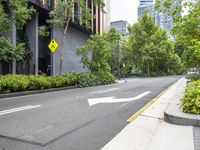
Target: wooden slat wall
{"points": [[98, 17], [92, 22]]}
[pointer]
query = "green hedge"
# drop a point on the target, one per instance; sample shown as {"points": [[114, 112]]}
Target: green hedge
{"points": [[100, 78], [193, 77], [191, 100], [16, 83]]}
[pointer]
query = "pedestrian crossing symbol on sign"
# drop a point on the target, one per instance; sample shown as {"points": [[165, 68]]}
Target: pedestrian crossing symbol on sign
{"points": [[53, 45]]}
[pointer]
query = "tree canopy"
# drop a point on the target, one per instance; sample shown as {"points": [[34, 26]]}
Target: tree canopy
{"points": [[103, 50], [186, 30], [9, 51], [13, 13], [149, 50]]}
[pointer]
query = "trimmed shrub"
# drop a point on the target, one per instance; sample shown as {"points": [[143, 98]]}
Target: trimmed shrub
{"points": [[38, 82], [94, 79], [15, 83], [72, 78], [193, 77], [87, 79], [58, 81], [191, 100]]}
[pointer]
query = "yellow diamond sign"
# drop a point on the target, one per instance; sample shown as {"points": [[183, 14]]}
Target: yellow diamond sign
{"points": [[53, 45]]}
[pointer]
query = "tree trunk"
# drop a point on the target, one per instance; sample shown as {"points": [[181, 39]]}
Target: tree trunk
{"points": [[62, 46], [148, 69]]}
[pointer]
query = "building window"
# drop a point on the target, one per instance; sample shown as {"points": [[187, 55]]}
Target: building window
{"points": [[48, 2]]}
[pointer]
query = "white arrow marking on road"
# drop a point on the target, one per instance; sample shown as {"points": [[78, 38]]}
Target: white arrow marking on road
{"points": [[18, 109], [95, 101]]}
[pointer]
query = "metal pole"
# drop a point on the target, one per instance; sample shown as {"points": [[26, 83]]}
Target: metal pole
{"points": [[119, 61], [14, 35]]}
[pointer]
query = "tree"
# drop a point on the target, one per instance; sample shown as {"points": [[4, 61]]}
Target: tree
{"points": [[104, 50], [114, 38], [100, 49], [27, 53], [191, 55], [61, 15], [9, 51], [149, 50], [188, 33], [186, 30], [18, 13]]}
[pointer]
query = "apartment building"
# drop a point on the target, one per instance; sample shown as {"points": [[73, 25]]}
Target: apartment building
{"points": [[41, 57], [121, 26]]}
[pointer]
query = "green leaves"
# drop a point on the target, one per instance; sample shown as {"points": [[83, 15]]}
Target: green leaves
{"points": [[16, 83], [19, 12], [191, 100], [64, 10], [149, 50], [5, 20], [43, 31], [10, 52], [172, 7], [13, 12], [94, 79], [100, 49]]}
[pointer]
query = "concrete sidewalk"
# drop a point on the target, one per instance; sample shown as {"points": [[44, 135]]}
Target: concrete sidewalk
{"points": [[149, 131]]}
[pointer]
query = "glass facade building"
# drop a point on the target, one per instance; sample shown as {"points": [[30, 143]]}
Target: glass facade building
{"points": [[161, 19]]}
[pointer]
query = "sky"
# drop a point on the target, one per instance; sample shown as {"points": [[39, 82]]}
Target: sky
{"points": [[124, 10]]}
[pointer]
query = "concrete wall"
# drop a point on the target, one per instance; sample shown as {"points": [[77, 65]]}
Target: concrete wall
{"points": [[71, 62], [32, 34]]}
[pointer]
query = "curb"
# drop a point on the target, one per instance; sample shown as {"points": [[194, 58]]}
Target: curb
{"points": [[138, 113], [174, 115], [180, 118], [9, 95]]}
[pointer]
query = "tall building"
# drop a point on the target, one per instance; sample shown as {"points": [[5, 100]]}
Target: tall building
{"points": [[161, 19], [121, 26], [77, 35], [147, 5], [148, 8], [145, 2]]}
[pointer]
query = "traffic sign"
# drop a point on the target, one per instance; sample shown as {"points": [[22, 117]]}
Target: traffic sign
{"points": [[53, 45]]}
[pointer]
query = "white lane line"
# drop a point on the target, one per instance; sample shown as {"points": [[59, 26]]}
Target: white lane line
{"points": [[4, 112], [105, 91]]}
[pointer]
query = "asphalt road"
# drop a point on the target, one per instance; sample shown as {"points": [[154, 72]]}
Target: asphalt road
{"points": [[64, 120]]}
